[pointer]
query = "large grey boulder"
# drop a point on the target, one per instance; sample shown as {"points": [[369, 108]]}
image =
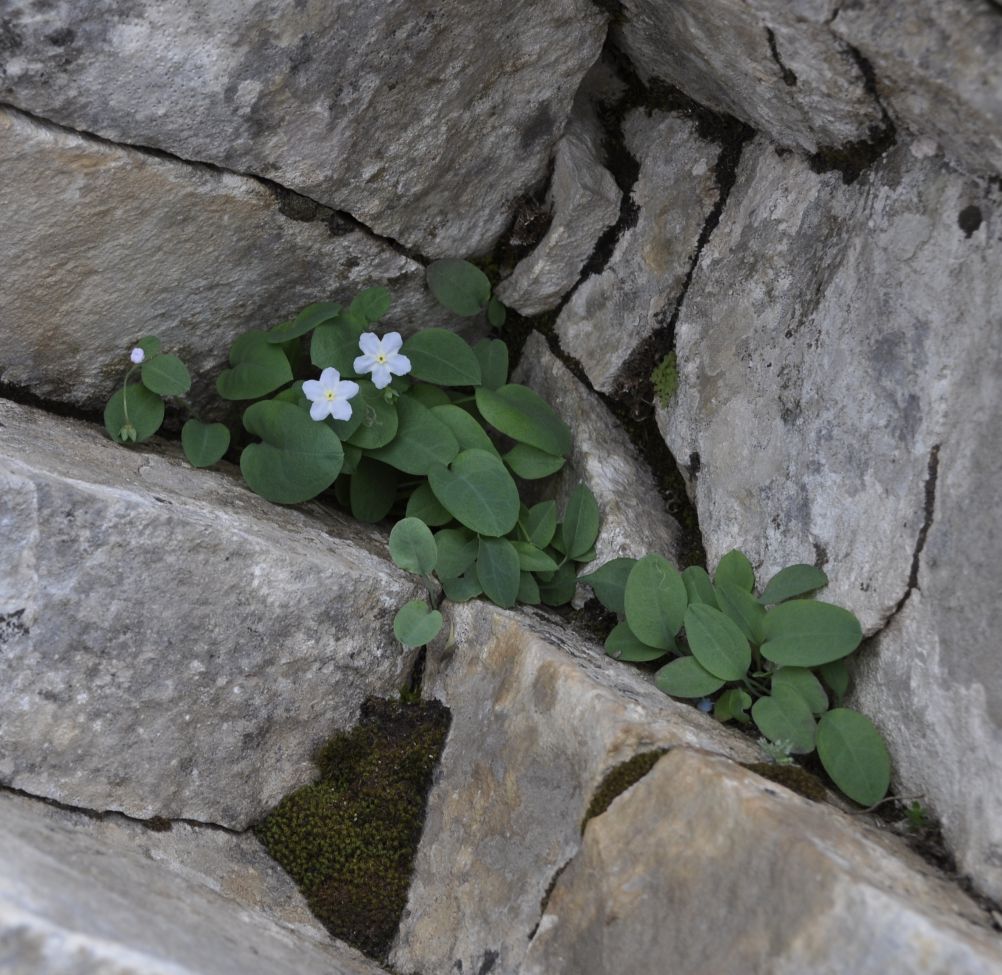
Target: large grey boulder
{"points": [[703, 866], [101, 245], [173, 645], [838, 352], [539, 717], [80, 896], [421, 120]]}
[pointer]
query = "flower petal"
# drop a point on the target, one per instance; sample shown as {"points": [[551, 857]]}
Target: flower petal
{"points": [[341, 409], [363, 364], [399, 365], [320, 409], [369, 343], [381, 376], [346, 389], [329, 378], [392, 342], [312, 390]]}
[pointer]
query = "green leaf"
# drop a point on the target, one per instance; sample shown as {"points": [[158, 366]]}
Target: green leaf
{"points": [[441, 357], [412, 546], [581, 522], [373, 490], [204, 443], [532, 463], [421, 443], [431, 396], [496, 313], [307, 320], [540, 523], [463, 588], [257, 368], [298, 457], [732, 705], [735, 568], [374, 422], [743, 608], [836, 676], [468, 433], [150, 344], [459, 286], [853, 753], [518, 412], [416, 623], [655, 601], [424, 505], [560, 587], [166, 375], [352, 458], [528, 590], [808, 633], [794, 580], [146, 413], [371, 305], [498, 571], [293, 394], [478, 492], [801, 680], [621, 644], [716, 642], [457, 551], [492, 354], [532, 559], [699, 587], [608, 582], [686, 678], [336, 344], [585, 557], [785, 716]]}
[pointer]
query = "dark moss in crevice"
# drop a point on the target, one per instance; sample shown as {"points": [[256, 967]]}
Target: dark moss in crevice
{"points": [[787, 74], [547, 894], [617, 781], [24, 397], [793, 777], [349, 839]]}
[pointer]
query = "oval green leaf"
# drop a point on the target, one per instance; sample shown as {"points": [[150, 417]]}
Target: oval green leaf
{"points": [[335, 344], [441, 357], [743, 608], [457, 551], [785, 716], [459, 286], [732, 705], [498, 571], [540, 523], [166, 375], [655, 601], [794, 580], [412, 546], [531, 463], [560, 587], [735, 568], [801, 680], [808, 633], [204, 443], [528, 590], [307, 320], [699, 587], [716, 642], [524, 416], [257, 368], [478, 491], [416, 623], [608, 582], [492, 354], [853, 753], [371, 305], [374, 422], [581, 523], [532, 559], [373, 490], [621, 644], [686, 678], [422, 441], [430, 396], [146, 413], [496, 313], [836, 676], [468, 432], [424, 505], [463, 588]]}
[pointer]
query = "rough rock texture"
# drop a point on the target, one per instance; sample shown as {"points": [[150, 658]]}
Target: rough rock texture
{"points": [[776, 64], [613, 311], [839, 354], [80, 896], [634, 516], [420, 120], [539, 716], [705, 867], [101, 245], [172, 644], [938, 66]]}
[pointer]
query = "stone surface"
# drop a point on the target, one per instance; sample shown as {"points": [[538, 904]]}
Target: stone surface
{"points": [[635, 519], [80, 896], [539, 716], [938, 66], [421, 121], [613, 311], [172, 644], [775, 64], [839, 354], [102, 245], [703, 866]]}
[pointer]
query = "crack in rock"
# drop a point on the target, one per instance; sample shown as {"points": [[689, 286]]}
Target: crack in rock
{"points": [[788, 74]]}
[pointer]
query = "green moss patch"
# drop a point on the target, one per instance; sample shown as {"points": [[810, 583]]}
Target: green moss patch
{"points": [[618, 781], [350, 838], [795, 778]]}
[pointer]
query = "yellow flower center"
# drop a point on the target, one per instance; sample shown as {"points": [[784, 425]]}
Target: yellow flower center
{"points": [[329, 394], [381, 358]]}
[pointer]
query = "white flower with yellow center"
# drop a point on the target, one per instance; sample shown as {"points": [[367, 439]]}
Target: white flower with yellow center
{"points": [[329, 395], [381, 357]]}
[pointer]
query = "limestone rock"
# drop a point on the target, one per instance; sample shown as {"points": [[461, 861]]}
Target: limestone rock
{"points": [[80, 896], [539, 716], [613, 311], [422, 121], [775, 64], [704, 866], [101, 245], [174, 645]]}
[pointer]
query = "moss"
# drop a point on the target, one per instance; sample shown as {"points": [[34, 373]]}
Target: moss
{"points": [[793, 777], [350, 838], [618, 781], [664, 379]]}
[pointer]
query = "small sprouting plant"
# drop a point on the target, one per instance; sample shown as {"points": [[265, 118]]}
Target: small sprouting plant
{"points": [[776, 659], [664, 378], [778, 752], [916, 817]]}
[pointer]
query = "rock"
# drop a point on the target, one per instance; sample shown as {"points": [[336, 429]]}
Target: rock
{"points": [[173, 645], [717, 869], [421, 121], [102, 245], [80, 895], [635, 520], [838, 353], [539, 716], [938, 68], [775, 64], [612, 312]]}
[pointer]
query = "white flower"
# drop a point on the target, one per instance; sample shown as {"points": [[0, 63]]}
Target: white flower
{"points": [[382, 358], [329, 395], [137, 355]]}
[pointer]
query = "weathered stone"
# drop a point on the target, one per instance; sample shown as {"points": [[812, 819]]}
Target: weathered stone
{"points": [[838, 351], [635, 520], [775, 64], [173, 645], [102, 245], [613, 311], [938, 68], [539, 716], [703, 866], [420, 120], [79, 896]]}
